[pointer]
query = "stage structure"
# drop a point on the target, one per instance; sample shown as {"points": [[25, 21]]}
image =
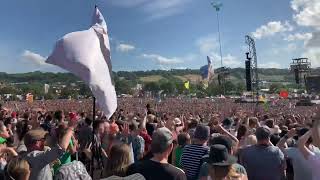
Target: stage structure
{"points": [[301, 67], [312, 84], [252, 77]]}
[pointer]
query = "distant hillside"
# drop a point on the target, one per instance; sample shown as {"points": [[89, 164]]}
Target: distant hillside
{"points": [[237, 74]]}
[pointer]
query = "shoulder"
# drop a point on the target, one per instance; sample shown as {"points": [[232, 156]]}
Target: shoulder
{"points": [[137, 166], [291, 151], [177, 171], [239, 168]]}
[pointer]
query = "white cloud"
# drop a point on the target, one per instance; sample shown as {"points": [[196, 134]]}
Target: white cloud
{"points": [[314, 56], [298, 37], [271, 29], [307, 12], [155, 9], [228, 60], [207, 45], [125, 48], [162, 60], [270, 65], [34, 58], [127, 3], [314, 41]]}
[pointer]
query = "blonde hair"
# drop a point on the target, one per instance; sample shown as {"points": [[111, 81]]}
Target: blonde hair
{"points": [[18, 169], [119, 161], [223, 172]]}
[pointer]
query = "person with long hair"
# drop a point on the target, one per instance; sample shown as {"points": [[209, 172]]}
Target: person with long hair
{"points": [[118, 161], [18, 169], [221, 164]]}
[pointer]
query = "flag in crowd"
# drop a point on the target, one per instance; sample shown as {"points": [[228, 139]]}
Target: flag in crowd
{"points": [[187, 84], [29, 98], [46, 88], [87, 55], [207, 71]]}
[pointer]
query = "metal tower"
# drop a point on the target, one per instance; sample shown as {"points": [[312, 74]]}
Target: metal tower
{"points": [[252, 56]]}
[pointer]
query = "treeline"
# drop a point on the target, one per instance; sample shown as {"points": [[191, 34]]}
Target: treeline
{"points": [[64, 85]]}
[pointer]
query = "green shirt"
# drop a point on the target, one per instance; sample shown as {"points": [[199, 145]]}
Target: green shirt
{"points": [[178, 153], [2, 140], [64, 159]]}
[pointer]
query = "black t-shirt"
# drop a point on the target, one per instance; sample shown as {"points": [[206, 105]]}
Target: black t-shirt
{"points": [[152, 170]]}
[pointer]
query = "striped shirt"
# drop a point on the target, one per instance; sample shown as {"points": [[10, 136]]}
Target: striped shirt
{"points": [[191, 159]]}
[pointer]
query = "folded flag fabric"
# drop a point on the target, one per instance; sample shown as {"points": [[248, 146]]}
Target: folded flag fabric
{"points": [[87, 55], [207, 71], [187, 85]]}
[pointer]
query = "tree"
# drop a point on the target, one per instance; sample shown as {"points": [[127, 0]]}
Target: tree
{"points": [[275, 87], [152, 87], [168, 87]]}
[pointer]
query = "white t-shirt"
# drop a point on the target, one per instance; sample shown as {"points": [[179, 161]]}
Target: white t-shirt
{"points": [[300, 164], [314, 163]]}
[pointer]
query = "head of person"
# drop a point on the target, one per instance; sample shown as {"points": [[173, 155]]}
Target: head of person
{"points": [[18, 169], [119, 160], [98, 127], [121, 111], [26, 116], [193, 124], [201, 134], [88, 121], [8, 123], [253, 122], [220, 163], [59, 115], [263, 135], [61, 131], [274, 139], [4, 131], [162, 143], [83, 115], [134, 129], [184, 139], [301, 132], [35, 139], [223, 140], [227, 123], [242, 131], [22, 128], [269, 123], [48, 118]]}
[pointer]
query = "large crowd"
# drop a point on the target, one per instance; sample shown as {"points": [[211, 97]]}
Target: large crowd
{"points": [[172, 139]]}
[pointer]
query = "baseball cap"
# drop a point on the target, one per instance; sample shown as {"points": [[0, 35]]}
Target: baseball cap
{"points": [[262, 133], [161, 139], [202, 132], [34, 135], [177, 121], [219, 156]]}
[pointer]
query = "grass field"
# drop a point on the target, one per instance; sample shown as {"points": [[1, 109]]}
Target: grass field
{"points": [[154, 78]]}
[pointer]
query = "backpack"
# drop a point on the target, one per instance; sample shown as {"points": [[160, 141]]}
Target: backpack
{"points": [[72, 171]]}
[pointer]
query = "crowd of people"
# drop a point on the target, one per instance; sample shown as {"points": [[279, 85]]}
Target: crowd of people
{"points": [[175, 139]]}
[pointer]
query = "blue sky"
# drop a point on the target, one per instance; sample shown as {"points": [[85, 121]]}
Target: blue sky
{"points": [[163, 34]]}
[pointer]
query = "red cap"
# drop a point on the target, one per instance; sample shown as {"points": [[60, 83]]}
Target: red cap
{"points": [[13, 114]]}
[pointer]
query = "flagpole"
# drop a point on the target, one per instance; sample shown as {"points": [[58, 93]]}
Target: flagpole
{"points": [[92, 146]]}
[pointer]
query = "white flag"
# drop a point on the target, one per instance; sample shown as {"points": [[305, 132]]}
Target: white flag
{"points": [[87, 55], [46, 88]]}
